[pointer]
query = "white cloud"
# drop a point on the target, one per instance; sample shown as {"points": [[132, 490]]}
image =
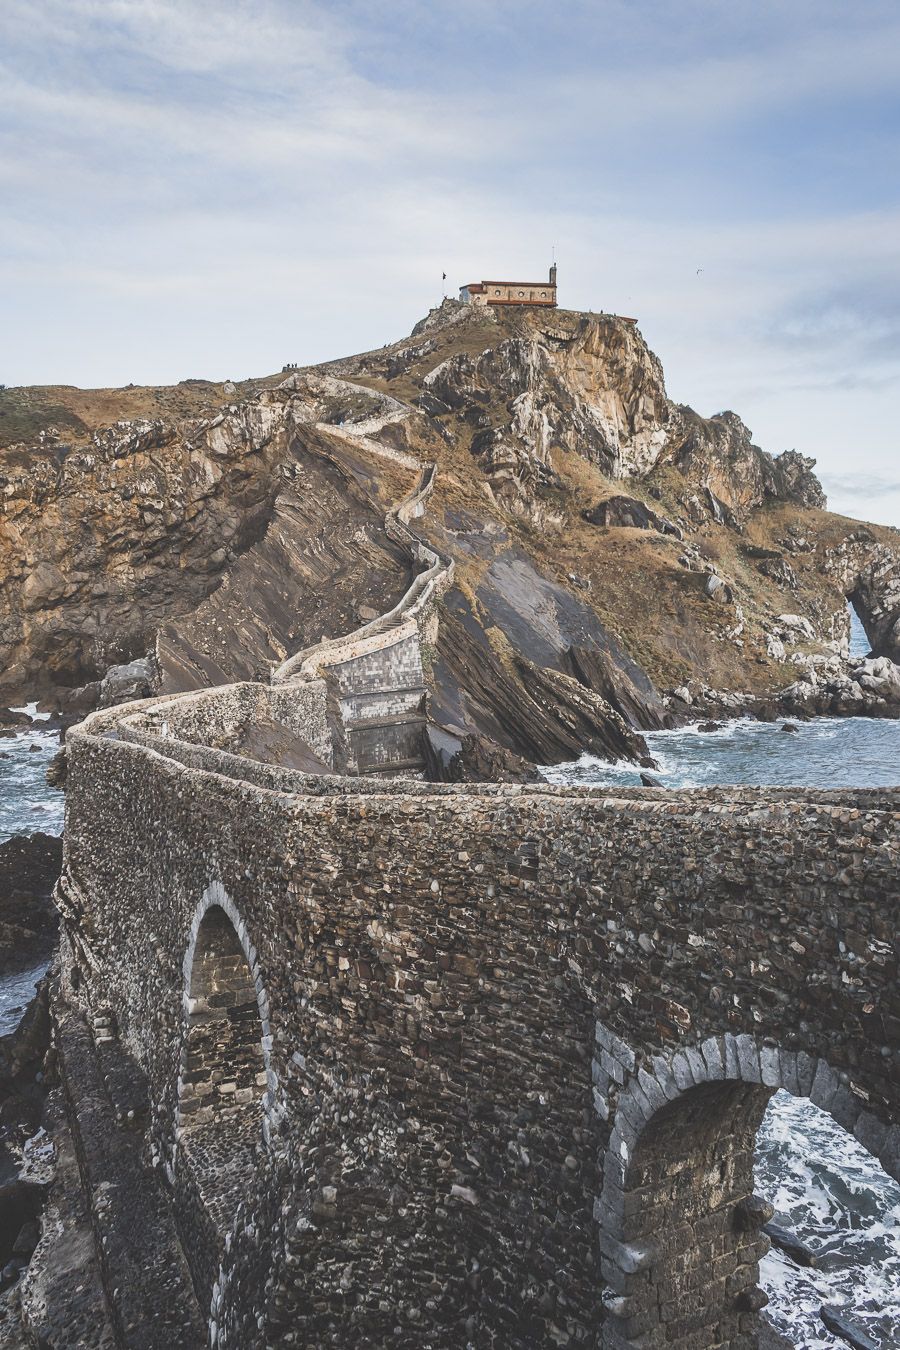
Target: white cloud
{"points": [[191, 186]]}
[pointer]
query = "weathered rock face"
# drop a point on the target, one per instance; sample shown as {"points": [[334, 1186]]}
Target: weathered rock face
{"points": [[527, 664], [102, 546], [631, 513], [621, 684], [101, 543], [719, 452], [590, 386], [323, 564], [121, 684], [780, 570], [793, 480], [869, 572], [215, 543], [473, 759]]}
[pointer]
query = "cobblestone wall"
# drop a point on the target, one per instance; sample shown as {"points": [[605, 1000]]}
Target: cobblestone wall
{"points": [[516, 1040]]}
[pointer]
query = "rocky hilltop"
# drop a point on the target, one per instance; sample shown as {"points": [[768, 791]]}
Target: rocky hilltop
{"points": [[620, 561]]}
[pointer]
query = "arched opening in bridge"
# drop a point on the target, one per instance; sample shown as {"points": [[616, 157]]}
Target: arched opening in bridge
{"points": [[682, 1205], [223, 1070], [687, 1263]]}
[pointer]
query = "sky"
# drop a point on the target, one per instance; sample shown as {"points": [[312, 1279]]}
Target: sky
{"points": [[196, 188]]}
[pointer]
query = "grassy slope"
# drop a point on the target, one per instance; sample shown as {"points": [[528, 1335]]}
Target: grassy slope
{"points": [[26, 411]]}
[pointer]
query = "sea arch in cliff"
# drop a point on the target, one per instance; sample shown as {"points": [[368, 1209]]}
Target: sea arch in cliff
{"points": [[680, 1224]]}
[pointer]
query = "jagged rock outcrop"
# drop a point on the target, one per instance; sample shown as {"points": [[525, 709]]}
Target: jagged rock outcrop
{"points": [[869, 573], [99, 544], [793, 480], [623, 686], [861, 686], [590, 721], [212, 544], [780, 571], [634, 514], [323, 558], [737, 475], [590, 387], [473, 759], [103, 545], [121, 684]]}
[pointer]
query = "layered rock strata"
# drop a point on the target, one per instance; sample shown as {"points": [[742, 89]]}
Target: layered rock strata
{"points": [[213, 545]]}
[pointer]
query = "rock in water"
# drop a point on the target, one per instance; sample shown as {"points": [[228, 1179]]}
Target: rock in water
{"points": [[842, 1326], [29, 868], [9, 718], [56, 769], [593, 724], [790, 1244]]}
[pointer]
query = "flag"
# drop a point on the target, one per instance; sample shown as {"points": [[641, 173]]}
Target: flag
{"points": [[443, 276]]}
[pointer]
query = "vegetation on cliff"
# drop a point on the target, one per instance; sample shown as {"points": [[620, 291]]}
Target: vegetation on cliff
{"points": [[610, 546]]}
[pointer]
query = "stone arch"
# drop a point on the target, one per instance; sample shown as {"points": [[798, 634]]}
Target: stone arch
{"points": [[679, 1225], [225, 1090]]}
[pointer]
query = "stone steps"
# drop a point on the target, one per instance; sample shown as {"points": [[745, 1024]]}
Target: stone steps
{"points": [[403, 719]]}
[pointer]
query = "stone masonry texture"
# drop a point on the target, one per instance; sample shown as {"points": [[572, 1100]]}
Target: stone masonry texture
{"points": [[436, 1066]]}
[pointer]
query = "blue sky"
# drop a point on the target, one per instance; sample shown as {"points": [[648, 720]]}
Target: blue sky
{"points": [[193, 188]]}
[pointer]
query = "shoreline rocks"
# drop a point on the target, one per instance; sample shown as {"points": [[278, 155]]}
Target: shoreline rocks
{"points": [[828, 686], [29, 868]]}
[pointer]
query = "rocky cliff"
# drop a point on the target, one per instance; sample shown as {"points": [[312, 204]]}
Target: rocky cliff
{"points": [[619, 558]]}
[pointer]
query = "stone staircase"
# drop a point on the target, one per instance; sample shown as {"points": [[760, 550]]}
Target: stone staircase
{"points": [[375, 674]]}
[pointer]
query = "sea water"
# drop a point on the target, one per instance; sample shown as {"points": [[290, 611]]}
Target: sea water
{"points": [[27, 805], [825, 1187], [828, 752]]}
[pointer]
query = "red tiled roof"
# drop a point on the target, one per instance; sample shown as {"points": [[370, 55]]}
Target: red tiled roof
{"points": [[547, 285], [502, 300]]}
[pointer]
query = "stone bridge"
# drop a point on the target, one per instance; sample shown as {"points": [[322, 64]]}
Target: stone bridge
{"points": [[432, 1066]]}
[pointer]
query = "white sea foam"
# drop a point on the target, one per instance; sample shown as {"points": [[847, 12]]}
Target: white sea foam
{"points": [[828, 1190], [32, 711], [26, 802], [827, 752]]}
